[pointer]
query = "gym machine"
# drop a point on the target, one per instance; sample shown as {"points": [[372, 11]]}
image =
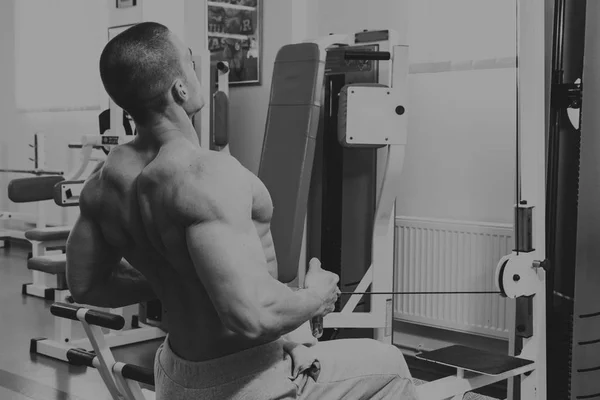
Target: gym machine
{"points": [[305, 175], [123, 381], [355, 180], [219, 106], [519, 276], [39, 169]]}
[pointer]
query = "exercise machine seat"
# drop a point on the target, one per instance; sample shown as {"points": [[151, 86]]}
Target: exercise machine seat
{"points": [[289, 145], [48, 234], [28, 190], [54, 264]]}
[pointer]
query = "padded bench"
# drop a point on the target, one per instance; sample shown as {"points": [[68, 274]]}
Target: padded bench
{"points": [[48, 234], [55, 264]]}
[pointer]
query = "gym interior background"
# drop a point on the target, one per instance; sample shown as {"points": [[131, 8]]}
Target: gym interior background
{"points": [[454, 214]]}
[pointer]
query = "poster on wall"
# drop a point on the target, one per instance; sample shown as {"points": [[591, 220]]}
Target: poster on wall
{"points": [[234, 36]]}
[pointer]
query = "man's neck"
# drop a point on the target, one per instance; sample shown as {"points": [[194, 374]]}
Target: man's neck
{"points": [[166, 126]]}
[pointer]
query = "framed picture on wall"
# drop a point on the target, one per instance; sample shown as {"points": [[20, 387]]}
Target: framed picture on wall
{"points": [[126, 3], [234, 28]]}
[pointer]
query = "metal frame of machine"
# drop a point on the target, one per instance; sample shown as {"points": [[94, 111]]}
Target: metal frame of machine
{"points": [[394, 75], [122, 380]]}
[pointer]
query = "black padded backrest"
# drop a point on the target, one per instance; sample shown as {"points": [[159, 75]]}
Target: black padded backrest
{"points": [[289, 145], [38, 188], [220, 119]]}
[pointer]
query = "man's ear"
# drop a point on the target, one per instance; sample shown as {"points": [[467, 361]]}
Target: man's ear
{"points": [[179, 91]]}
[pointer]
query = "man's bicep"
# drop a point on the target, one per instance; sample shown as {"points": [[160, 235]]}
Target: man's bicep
{"points": [[230, 262], [90, 259]]}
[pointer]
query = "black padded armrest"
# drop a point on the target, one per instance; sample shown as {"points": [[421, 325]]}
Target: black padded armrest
{"points": [[37, 188], [138, 374], [80, 357]]}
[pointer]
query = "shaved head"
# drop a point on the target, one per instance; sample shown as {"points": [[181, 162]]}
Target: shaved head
{"points": [[140, 66]]}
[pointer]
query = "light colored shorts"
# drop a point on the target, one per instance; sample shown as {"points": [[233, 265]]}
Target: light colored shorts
{"points": [[350, 369]]}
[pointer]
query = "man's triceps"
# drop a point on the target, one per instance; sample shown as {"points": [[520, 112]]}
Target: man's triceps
{"points": [[230, 262]]}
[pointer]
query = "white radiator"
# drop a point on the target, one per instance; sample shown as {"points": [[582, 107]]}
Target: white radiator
{"points": [[441, 256]]}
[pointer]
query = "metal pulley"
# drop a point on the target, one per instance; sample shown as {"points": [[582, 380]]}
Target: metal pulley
{"points": [[517, 275]]}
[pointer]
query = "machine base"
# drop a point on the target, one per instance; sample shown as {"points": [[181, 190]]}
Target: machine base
{"points": [[474, 360]]}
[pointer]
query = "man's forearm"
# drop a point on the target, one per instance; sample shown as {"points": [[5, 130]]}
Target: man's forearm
{"points": [[292, 310], [125, 286]]}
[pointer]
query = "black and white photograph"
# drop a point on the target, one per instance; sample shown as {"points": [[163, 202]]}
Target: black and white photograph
{"points": [[299, 200]]}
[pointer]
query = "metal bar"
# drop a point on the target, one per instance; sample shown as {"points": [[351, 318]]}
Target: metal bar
{"points": [[32, 171], [80, 146], [36, 152], [103, 354], [367, 55], [393, 293], [139, 374]]}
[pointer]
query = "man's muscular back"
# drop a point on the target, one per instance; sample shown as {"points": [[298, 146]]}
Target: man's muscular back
{"points": [[167, 211]]}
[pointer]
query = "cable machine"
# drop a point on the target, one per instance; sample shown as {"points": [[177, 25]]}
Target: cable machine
{"points": [[572, 214]]}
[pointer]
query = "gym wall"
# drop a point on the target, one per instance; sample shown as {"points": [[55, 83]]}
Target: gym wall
{"points": [[60, 126], [461, 159]]}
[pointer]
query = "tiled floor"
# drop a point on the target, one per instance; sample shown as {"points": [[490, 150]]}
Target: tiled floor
{"points": [[25, 376]]}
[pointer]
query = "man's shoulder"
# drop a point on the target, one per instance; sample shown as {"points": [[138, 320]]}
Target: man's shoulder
{"points": [[90, 198], [205, 185], [182, 166]]}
